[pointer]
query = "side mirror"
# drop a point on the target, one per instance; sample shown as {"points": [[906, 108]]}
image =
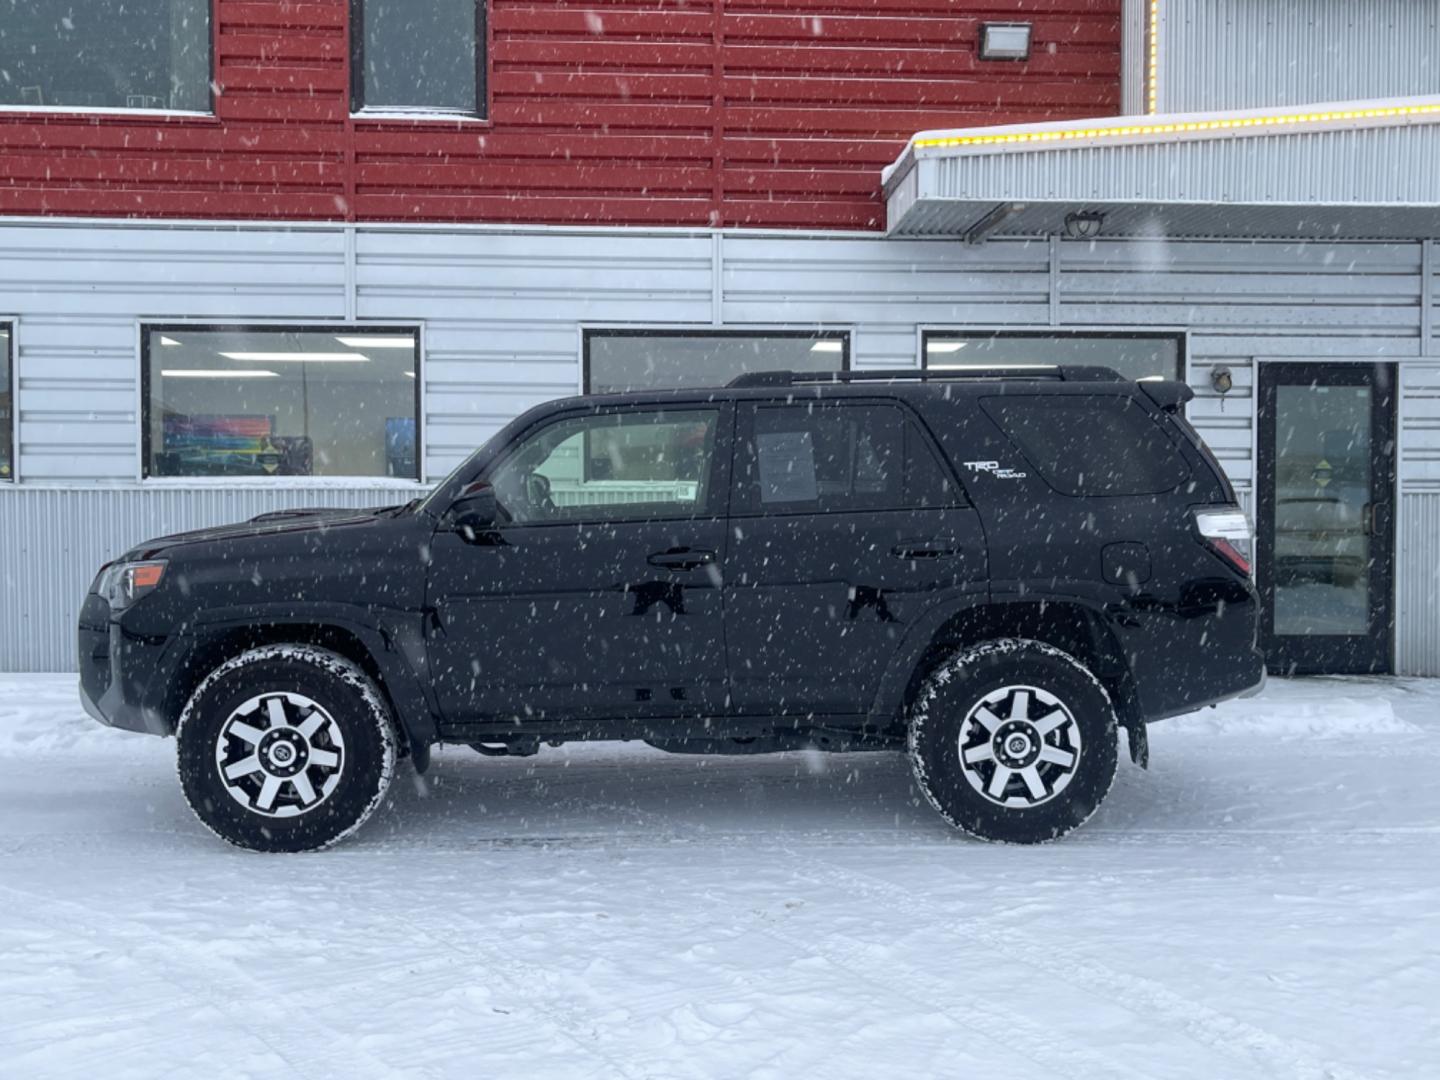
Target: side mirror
{"points": [[474, 515]]}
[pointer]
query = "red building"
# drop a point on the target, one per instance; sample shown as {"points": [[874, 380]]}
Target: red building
{"points": [[772, 113]]}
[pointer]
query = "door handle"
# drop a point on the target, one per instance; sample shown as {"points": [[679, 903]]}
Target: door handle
{"points": [[1372, 521], [934, 548], [682, 558]]}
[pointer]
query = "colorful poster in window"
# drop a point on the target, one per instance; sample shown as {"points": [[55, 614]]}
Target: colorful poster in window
{"points": [[217, 446]]}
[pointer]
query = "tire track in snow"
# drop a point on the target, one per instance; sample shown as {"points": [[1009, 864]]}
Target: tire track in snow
{"points": [[292, 1035], [1273, 1054]]}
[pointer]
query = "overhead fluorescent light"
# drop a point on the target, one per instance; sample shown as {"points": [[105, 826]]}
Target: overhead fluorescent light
{"points": [[828, 346], [945, 346], [993, 367], [358, 342], [300, 357], [1005, 41], [409, 374], [168, 340], [218, 373]]}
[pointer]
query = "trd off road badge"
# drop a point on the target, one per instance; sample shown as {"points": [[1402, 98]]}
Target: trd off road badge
{"points": [[994, 469]]}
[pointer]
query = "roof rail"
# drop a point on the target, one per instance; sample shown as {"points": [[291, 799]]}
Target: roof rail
{"points": [[1060, 372]]}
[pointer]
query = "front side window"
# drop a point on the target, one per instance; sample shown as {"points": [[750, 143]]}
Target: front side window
{"points": [[418, 57], [621, 360], [244, 401], [105, 54], [7, 407], [609, 467], [823, 457]]}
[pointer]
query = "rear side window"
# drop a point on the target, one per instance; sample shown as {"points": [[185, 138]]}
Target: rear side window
{"points": [[831, 457], [1091, 444]]}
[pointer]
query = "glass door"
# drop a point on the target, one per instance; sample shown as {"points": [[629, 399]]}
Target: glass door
{"points": [[1325, 516]]}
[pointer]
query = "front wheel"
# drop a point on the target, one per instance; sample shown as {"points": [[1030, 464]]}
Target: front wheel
{"points": [[1013, 741], [285, 748]]}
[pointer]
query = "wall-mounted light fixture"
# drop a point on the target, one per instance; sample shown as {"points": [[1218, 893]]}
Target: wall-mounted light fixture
{"points": [[1222, 380], [1084, 224], [1005, 41]]}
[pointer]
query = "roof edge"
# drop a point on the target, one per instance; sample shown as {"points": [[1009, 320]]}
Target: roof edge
{"points": [[1161, 128]]}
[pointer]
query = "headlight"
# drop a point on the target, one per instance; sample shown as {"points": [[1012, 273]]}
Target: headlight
{"points": [[121, 584]]}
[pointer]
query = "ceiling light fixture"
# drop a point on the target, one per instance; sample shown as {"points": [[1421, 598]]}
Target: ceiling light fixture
{"points": [[828, 346], [300, 357], [168, 340], [218, 373], [945, 346], [358, 342]]}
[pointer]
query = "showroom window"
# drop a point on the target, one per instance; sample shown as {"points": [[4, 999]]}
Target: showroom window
{"points": [[1133, 355], [619, 360], [106, 54], [257, 401], [413, 57], [7, 407]]}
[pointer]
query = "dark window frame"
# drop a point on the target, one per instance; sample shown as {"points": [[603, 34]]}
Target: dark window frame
{"points": [[152, 329], [211, 37], [1179, 337], [358, 106], [11, 388], [589, 333]]}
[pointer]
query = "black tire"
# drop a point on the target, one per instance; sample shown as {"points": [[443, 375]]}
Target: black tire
{"points": [[300, 779], [969, 705]]}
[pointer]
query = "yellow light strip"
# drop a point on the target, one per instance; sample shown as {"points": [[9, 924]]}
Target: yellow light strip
{"points": [[1152, 66], [1381, 112]]}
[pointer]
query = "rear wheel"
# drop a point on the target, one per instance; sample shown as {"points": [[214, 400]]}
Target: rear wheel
{"points": [[285, 748], [1013, 741]]}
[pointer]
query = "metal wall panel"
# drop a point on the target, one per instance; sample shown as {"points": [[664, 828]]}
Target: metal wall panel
{"points": [[1240, 54], [53, 540], [1418, 584], [502, 312]]}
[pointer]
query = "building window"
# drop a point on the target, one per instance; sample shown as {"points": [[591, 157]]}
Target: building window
{"points": [[418, 57], [619, 360], [7, 407], [106, 54], [1133, 355], [254, 401]]}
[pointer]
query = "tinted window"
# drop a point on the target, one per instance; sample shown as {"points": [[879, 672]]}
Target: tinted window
{"points": [[417, 56], [833, 457], [1091, 444], [618, 360], [277, 401], [610, 466], [106, 54]]}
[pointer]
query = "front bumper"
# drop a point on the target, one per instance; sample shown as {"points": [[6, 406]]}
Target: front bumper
{"points": [[120, 671]]}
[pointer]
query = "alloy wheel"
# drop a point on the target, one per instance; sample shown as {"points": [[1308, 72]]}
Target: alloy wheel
{"points": [[1019, 746], [280, 754]]}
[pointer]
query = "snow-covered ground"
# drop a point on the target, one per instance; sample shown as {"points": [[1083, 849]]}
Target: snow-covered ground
{"points": [[1265, 902]]}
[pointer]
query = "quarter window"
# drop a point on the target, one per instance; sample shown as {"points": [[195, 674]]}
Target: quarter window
{"points": [[1091, 444], [833, 458], [7, 407], [411, 56], [105, 54], [620, 360], [611, 466], [246, 401]]}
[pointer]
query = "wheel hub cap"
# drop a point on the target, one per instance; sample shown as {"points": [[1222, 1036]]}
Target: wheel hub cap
{"points": [[280, 754], [1019, 746]]}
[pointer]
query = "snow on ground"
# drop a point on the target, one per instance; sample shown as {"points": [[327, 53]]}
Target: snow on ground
{"points": [[1265, 902]]}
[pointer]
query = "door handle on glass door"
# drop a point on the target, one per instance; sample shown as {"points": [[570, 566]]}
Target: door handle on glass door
{"points": [[682, 558]]}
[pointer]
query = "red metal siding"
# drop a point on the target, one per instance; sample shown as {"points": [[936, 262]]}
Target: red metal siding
{"points": [[726, 112]]}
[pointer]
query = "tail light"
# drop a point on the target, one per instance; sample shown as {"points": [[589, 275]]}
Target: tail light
{"points": [[1228, 534]]}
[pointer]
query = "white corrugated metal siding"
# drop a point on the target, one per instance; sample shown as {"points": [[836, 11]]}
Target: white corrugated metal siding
{"points": [[502, 312], [1242, 54]]}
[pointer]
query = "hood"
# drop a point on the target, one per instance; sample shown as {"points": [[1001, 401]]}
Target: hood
{"points": [[274, 523]]}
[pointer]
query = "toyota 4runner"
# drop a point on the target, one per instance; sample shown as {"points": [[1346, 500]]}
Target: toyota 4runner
{"points": [[994, 570]]}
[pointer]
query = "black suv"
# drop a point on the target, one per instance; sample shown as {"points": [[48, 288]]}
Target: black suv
{"points": [[995, 570]]}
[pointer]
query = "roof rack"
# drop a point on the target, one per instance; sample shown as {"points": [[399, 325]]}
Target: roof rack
{"points": [[1059, 372]]}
